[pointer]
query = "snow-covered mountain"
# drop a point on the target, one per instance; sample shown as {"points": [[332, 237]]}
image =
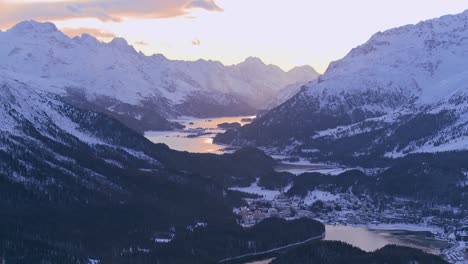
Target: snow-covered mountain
{"points": [[403, 91], [285, 94], [142, 91], [269, 81], [49, 146]]}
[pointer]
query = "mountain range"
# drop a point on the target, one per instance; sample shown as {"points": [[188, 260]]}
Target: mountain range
{"points": [[402, 92], [140, 91]]}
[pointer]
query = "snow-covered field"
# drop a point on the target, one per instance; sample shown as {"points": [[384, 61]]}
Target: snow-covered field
{"points": [[255, 189], [318, 195]]}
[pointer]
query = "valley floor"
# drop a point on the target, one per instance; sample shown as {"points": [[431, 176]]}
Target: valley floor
{"points": [[399, 221]]}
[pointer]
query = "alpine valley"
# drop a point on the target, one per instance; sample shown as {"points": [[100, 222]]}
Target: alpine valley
{"points": [[385, 129]]}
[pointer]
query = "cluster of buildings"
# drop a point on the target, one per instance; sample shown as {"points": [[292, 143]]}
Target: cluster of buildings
{"points": [[350, 209], [259, 209]]}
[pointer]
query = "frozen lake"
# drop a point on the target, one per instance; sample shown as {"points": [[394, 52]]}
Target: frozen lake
{"points": [[373, 239], [197, 137], [303, 167]]}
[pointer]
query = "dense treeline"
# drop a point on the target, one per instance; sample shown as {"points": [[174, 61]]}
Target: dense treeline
{"points": [[306, 182], [275, 180], [438, 178], [221, 240]]}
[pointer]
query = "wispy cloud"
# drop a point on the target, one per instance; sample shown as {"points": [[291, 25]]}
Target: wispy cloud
{"points": [[105, 10], [141, 43], [73, 32]]}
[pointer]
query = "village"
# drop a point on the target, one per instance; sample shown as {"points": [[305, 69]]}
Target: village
{"points": [[445, 223]]}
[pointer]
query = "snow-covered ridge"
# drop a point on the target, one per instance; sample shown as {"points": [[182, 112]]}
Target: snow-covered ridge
{"points": [[409, 69], [40, 132], [409, 82], [115, 71], [418, 59], [26, 101]]}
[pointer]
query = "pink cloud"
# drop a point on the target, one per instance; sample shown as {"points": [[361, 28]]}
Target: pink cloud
{"points": [[104, 10], [73, 32], [196, 42]]}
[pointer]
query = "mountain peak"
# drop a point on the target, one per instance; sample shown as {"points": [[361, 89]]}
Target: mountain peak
{"points": [[303, 69], [87, 38], [254, 61], [32, 26], [119, 42]]}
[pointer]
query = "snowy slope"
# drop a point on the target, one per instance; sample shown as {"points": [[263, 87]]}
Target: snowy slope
{"points": [[50, 146], [383, 92], [115, 77], [285, 94]]}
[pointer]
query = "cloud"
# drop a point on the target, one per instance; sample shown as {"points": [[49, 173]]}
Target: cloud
{"points": [[141, 43], [105, 10], [205, 4], [73, 32], [196, 42]]}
